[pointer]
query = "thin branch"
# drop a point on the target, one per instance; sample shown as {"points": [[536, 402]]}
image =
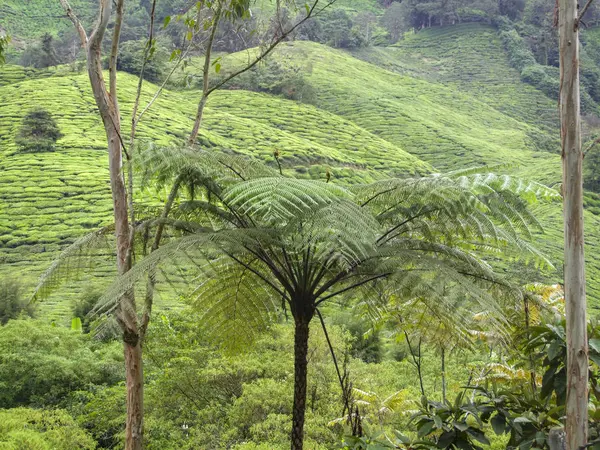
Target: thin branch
{"points": [[114, 54], [337, 369], [355, 285], [151, 280], [134, 120], [71, 15], [162, 86], [591, 146], [271, 47], [584, 10], [129, 156]]}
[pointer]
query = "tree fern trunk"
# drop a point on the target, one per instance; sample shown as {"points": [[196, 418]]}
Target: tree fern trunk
{"points": [[300, 372]]}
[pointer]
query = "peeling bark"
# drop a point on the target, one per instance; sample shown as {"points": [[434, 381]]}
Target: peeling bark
{"points": [[574, 264]]}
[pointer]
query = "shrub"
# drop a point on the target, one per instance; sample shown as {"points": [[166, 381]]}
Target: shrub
{"points": [[131, 58], [25, 428], [12, 303], [82, 307], [41, 364], [38, 133], [277, 78]]}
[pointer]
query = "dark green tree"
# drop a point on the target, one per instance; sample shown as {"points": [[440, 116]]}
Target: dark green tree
{"points": [[41, 55], [131, 58], [38, 133], [591, 170], [394, 21], [12, 302], [4, 41]]}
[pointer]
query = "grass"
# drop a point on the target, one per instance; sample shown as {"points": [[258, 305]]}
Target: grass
{"points": [[396, 115]]}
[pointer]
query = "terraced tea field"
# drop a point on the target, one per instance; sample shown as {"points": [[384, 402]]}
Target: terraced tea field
{"points": [[410, 111]]}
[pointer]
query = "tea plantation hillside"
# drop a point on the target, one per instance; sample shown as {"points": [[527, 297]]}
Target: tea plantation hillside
{"points": [[471, 114], [58, 196], [26, 20], [366, 120], [470, 57]]}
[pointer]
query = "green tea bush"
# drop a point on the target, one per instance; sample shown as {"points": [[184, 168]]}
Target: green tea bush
{"points": [[38, 133]]}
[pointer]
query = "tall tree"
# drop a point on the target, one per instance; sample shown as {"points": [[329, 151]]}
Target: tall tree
{"points": [[574, 263], [261, 240], [108, 107]]}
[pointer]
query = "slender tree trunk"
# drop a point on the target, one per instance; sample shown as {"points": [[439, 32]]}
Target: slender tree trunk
{"points": [[205, 76], [300, 372], [134, 378], [443, 374], [108, 107], [574, 264], [416, 357], [198, 120], [532, 374]]}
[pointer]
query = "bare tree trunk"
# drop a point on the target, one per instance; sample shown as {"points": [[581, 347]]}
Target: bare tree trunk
{"points": [[443, 351], [574, 265], [198, 119], [300, 374], [134, 427], [108, 107]]}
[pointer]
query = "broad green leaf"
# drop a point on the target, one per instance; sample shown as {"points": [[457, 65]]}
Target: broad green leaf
{"points": [[76, 324], [166, 21], [478, 435], [595, 345], [554, 350], [425, 429], [499, 424]]}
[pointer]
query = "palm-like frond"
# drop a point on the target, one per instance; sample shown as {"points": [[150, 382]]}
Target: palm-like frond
{"points": [[255, 238], [236, 304], [79, 257], [277, 200]]}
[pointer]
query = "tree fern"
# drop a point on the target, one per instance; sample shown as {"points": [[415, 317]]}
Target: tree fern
{"points": [[257, 240]]}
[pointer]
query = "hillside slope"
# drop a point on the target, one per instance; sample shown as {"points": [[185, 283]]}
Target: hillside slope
{"points": [[452, 122], [49, 199], [367, 120]]}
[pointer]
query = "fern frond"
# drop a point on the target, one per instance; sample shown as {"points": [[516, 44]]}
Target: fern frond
{"points": [[83, 254], [277, 200]]}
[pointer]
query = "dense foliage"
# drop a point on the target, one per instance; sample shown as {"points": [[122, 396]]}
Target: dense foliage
{"points": [[342, 214], [13, 303], [38, 133]]}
